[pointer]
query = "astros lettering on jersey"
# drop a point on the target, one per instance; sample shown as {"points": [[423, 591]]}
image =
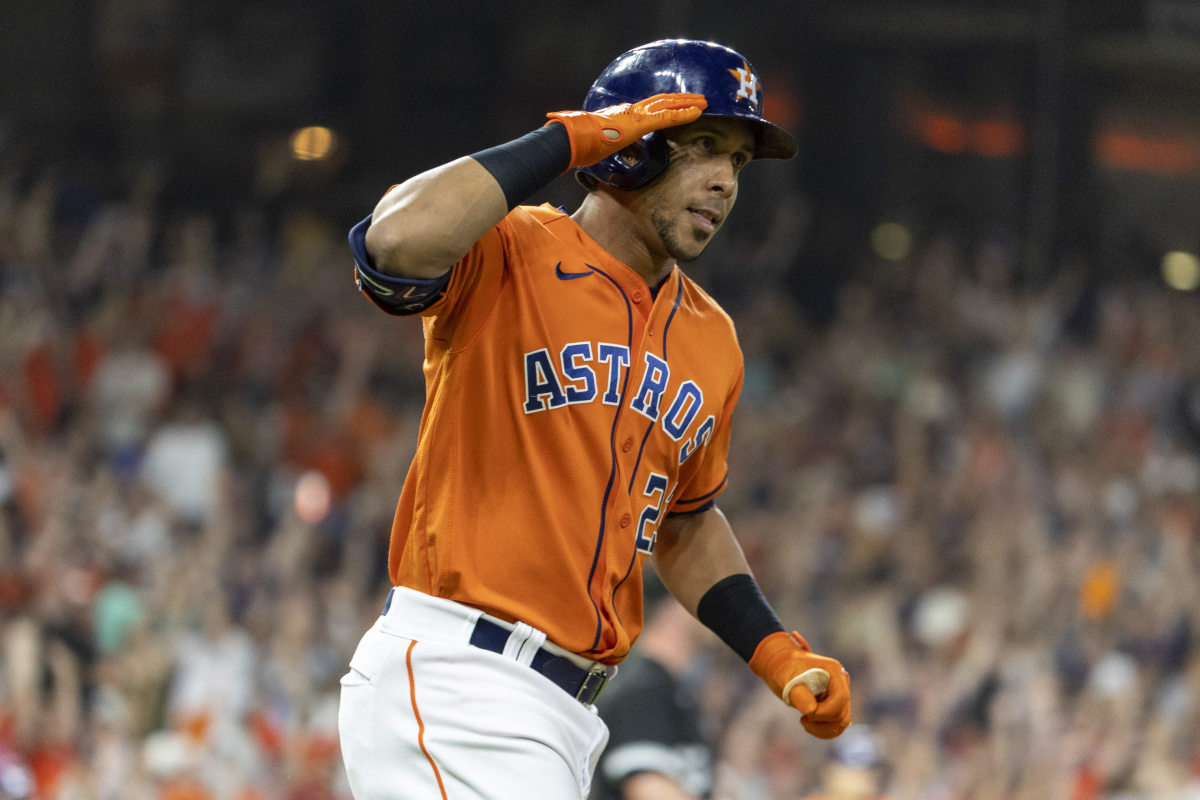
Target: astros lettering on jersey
{"points": [[579, 410]]}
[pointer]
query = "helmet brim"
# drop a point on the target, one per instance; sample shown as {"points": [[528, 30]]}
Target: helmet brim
{"points": [[774, 142]]}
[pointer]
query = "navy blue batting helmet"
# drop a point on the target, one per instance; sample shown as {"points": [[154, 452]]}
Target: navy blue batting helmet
{"points": [[722, 75]]}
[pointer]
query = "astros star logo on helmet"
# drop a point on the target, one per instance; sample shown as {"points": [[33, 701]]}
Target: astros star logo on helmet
{"points": [[748, 83]]}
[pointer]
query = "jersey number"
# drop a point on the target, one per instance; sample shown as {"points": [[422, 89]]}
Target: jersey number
{"points": [[647, 529]]}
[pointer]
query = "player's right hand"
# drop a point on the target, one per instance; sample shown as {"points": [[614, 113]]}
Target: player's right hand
{"points": [[780, 658], [596, 135]]}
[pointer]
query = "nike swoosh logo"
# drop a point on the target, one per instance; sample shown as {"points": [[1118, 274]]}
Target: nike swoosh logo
{"points": [[568, 276]]}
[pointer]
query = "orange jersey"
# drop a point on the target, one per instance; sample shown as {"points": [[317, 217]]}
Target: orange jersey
{"points": [[567, 413]]}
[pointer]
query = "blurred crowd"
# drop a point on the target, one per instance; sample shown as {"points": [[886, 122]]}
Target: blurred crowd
{"points": [[981, 492]]}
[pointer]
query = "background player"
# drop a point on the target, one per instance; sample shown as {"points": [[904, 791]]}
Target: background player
{"points": [[579, 395], [657, 748]]}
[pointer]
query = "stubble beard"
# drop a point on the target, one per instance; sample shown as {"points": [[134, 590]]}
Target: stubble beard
{"points": [[672, 241]]}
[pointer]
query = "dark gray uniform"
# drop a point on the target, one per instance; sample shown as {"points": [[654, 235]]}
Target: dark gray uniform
{"points": [[654, 722]]}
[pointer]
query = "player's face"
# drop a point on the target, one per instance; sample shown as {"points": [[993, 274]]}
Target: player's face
{"points": [[689, 203]]}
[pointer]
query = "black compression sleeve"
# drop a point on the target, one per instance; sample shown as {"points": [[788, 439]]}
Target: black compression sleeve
{"points": [[524, 165], [735, 610]]}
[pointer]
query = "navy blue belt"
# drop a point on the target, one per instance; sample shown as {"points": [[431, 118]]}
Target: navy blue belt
{"points": [[585, 685]]}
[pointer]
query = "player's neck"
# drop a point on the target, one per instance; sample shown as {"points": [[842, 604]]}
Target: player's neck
{"points": [[620, 232]]}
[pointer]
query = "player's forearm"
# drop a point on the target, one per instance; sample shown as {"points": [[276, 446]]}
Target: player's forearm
{"points": [[701, 563], [423, 227], [693, 553]]}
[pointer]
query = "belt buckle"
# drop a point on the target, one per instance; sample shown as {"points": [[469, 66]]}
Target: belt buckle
{"points": [[593, 684]]}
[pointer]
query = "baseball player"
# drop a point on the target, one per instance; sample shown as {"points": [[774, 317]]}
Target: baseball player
{"points": [[579, 390]]}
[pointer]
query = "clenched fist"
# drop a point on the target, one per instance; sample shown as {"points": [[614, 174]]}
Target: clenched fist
{"points": [[781, 660]]}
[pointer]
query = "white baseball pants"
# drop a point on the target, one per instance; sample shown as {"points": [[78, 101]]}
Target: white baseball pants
{"points": [[425, 715]]}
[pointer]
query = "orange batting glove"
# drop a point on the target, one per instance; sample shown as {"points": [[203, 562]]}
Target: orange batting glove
{"points": [[596, 135], [780, 659]]}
